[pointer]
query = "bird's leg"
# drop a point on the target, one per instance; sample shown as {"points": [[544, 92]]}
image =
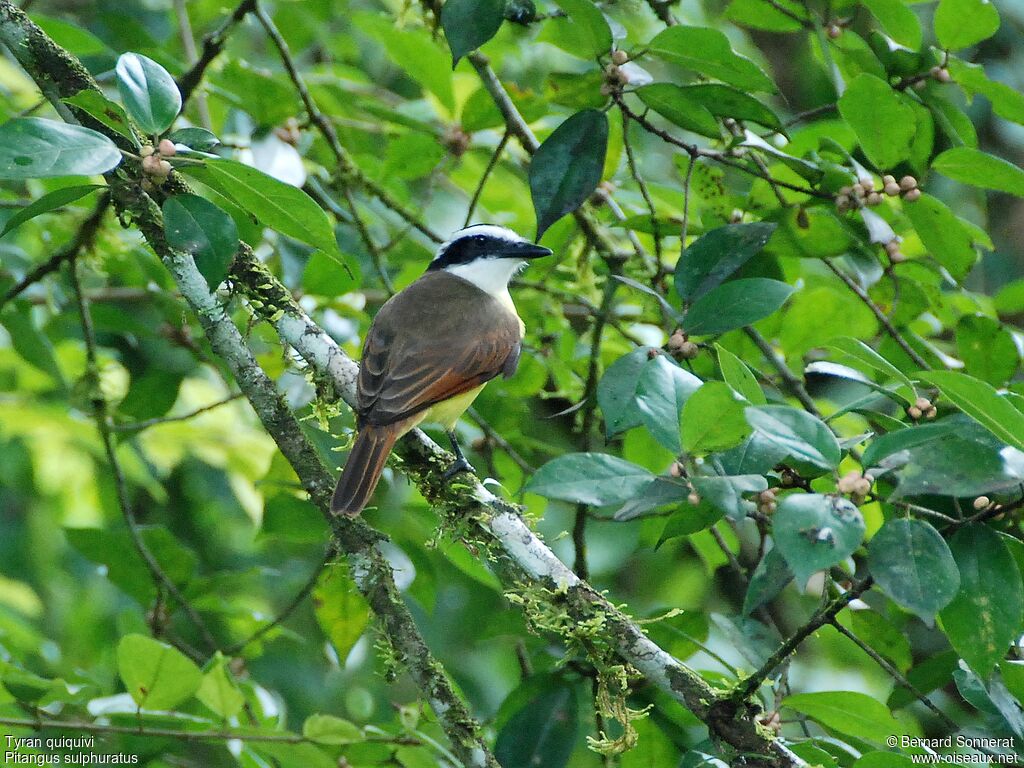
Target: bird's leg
{"points": [[460, 464]]}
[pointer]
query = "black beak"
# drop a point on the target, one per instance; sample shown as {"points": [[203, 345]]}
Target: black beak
{"points": [[525, 251]]}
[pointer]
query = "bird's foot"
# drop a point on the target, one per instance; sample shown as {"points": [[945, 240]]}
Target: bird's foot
{"points": [[459, 465]]}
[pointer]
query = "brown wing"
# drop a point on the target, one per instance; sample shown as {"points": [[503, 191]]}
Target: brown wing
{"points": [[438, 338]]}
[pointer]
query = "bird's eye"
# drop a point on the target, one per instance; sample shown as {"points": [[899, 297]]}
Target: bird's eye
{"points": [[479, 239]]}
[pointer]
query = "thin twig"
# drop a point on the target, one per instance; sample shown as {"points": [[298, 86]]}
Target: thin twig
{"points": [[82, 240], [793, 384], [491, 165], [138, 426], [213, 44], [896, 336], [102, 417], [634, 171], [896, 675]]}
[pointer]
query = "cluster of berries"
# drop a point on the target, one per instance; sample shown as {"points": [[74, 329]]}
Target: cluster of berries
{"points": [[922, 407], [154, 160], [864, 192], [680, 346], [855, 484]]}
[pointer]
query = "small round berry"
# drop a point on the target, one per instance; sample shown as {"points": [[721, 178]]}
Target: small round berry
{"points": [[919, 85], [867, 182], [834, 31], [147, 150], [846, 191], [912, 195], [606, 89], [923, 403], [167, 148], [676, 470], [893, 246], [914, 412], [766, 496], [619, 57], [858, 191], [694, 499], [934, 71], [873, 198], [944, 76], [843, 203], [676, 341], [769, 507], [907, 183], [888, 179], [897, 257], [982, 502], [688, 350], [892, 189], [848, 482], [862, 487], [931, 413], [151, 164], [164, 168]]}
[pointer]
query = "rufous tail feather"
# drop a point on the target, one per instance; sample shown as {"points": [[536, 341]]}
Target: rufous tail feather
{"points": [[363, 469]]}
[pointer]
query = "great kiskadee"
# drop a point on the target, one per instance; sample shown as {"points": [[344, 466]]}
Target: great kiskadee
{"points": [[432, 347]]}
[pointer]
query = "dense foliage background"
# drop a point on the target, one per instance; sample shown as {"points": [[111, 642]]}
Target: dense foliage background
{"points": [[794, 452]]}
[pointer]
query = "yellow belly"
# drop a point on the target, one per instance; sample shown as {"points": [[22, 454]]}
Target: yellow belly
{"points": [[448, 412]]}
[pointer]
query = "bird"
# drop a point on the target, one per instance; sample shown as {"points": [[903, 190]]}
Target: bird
{"points": [[430, 350]]}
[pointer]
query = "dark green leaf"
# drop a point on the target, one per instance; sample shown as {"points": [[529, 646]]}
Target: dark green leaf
{"points": [[735, 304], [878, 632], [468, 24], [769, 578], [979, 169], [962, 23], [589, 478], [199, 139], [985, 616], [198, 227], [726, 101], [981, 402], [1006, 102], [108, 112], [34, 148], [708, 52], [672, 102], [275, 204], [738, 376], [912, 564], [870, 360], [716, 255], [31, 344], [758, 14], [805, 438], [543, 733], [662, 390], [47, 203], [987, 348], [617, 390], [847, 712], [156, 675], [814, 531], [148, 92], [660, 493], [883, 123], [328, 729], [726, 492], [341, 610], [567, 167], [713, 419]]}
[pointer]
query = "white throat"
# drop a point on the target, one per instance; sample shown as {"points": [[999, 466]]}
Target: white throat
{"points": [[489, 275]]}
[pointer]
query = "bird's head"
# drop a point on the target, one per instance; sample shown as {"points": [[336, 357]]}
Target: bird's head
{"points": [[486, 255]]}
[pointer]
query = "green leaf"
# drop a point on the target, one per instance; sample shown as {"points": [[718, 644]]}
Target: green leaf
{"points": [[979, 169], [716, 255], [713, 419], [814, 531], [738, 376], [34, 148], [468, 24], [198, 227], [542, 734], [31, 344], [662, 492], [726, 101], [758, 14], [870, 359], [148, 92], [662, 390], [1006, 102], [415, 52], [725, 493], [677, 106], [898, 21], [735, 304], [47, 203], [883, 760], [567, 167], [987, 348], [805, 438], [847, 712], [981, 402], [962, 23], [275, 204], [617, 390], [943, 234], [598, 479], [883, 123], [109, 113], [199, 139], [218, 690], [912, 564], [328, 729], [985, 616], [156, 675], [341, 610], [583, 31], [708, 52], [768, 580], [879, 633]]}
